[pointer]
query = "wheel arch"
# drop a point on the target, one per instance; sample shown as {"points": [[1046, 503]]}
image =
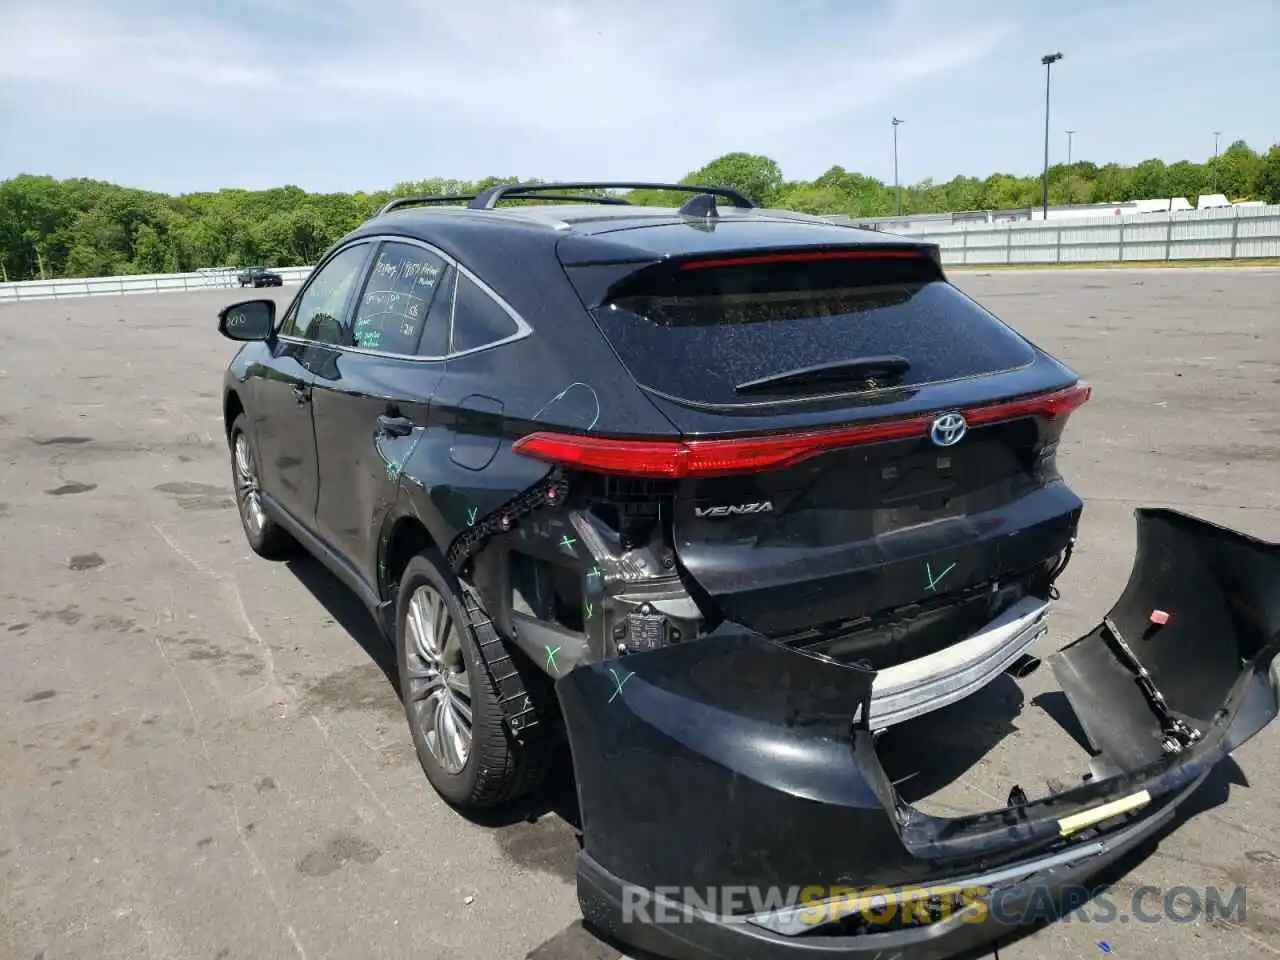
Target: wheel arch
{"points": [[232, 407], [406, 532]]}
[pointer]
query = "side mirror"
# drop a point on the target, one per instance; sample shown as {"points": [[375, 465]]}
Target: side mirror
{"points": [[248, 320]]}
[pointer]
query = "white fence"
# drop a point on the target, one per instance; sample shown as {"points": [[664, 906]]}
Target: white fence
{"points": [[138, 283], [1217, 234]]}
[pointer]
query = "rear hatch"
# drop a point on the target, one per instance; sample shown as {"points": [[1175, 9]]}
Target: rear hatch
{"points": [[816, 485]]}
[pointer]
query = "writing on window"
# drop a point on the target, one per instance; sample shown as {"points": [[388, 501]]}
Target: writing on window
{"points": [[397, 298]]}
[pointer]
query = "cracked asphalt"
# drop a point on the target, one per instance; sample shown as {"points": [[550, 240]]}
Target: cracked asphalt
{"points": [[202, 756]]}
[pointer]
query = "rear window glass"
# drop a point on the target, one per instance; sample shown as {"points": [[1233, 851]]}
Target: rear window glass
{"points": [[697, 334]]}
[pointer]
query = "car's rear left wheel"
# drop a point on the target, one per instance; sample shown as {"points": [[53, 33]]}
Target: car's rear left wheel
{"points": [[450, 701]]}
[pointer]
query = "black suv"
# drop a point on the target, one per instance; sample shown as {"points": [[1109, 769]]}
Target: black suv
{"points": [[717, 494], [537, 436], [259, 277]]}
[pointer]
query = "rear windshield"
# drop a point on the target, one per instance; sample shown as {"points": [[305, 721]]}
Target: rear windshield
{"points": [[697, 334]]}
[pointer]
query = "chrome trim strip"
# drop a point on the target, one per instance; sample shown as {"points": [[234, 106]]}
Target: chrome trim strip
{"points": [[522, 327], [928, 683]]}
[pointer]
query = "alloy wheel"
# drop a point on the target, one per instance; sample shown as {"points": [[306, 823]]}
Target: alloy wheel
{"points": [[248, 494], [439, 689]]}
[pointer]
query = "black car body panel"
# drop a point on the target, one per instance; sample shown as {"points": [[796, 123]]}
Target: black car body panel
{"points": [[737, 762]]}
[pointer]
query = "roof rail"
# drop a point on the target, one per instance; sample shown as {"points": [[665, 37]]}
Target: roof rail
{"points": [[570, 198], [488, 199], [399, 202]]}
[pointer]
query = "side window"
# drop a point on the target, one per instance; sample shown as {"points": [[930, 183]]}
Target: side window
{"points": [[435, 336], [397, 298], [319, 314], [478, 319]]}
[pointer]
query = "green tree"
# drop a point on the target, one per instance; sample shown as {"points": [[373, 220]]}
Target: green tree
{"points": [[752, 175], [1113, 184], [149, 250], [810, 198], [1187, 179], [1238, 169], [1150, 179], [1267, 182]]}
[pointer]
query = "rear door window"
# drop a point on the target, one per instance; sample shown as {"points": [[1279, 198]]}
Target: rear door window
{"points": [[435, 335], [698, 333], [397, 298]]}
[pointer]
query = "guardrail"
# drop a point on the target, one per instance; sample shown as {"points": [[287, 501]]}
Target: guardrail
{"points": [[134, 284], [1231, 233]]}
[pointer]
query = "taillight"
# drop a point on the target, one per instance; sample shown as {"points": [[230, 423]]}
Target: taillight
{"points": [[1049, 405], [705, 458], [673, 459]]}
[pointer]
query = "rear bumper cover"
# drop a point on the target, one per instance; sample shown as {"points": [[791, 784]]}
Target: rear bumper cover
{"points": [[733, 763]]}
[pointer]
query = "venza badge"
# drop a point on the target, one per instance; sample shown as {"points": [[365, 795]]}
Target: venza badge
{"points": [[734, 509]]}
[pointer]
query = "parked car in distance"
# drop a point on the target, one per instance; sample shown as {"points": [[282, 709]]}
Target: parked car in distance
{"points": [[715, 495], [260, 277]]}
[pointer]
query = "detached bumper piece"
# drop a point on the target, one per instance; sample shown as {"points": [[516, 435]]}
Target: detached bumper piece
{"points": [[733, 805]]}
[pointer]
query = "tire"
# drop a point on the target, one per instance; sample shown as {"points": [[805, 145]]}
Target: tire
{"points": [[266, 537], [497, 769]]}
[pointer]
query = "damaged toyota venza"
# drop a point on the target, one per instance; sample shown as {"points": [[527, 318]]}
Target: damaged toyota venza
{"points": [[718, 495]]}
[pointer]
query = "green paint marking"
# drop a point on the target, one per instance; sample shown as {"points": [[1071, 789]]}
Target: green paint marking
{"points": [[551, 659], [618, 684], [471, 516], [590, 609], [934, 581], [567, 542], [395, 468]]}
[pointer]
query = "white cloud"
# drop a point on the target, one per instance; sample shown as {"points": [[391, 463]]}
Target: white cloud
{"points": [[558, 68]]}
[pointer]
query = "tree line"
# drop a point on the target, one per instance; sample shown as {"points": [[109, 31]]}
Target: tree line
{"points": [[84, 228]]}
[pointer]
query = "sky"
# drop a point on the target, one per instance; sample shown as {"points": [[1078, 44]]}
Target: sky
{"points": [[340, 95]]}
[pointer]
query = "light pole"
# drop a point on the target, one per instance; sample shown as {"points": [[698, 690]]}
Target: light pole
{"points": [[1070, 134], [897, 188], [1216, 135], [1048, 60]]}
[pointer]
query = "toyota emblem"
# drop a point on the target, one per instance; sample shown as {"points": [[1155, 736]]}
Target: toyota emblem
{"points": [[947, 429]]}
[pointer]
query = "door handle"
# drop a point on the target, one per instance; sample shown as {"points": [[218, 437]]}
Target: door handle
{"points": [[395, 426], [302, 392]]}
